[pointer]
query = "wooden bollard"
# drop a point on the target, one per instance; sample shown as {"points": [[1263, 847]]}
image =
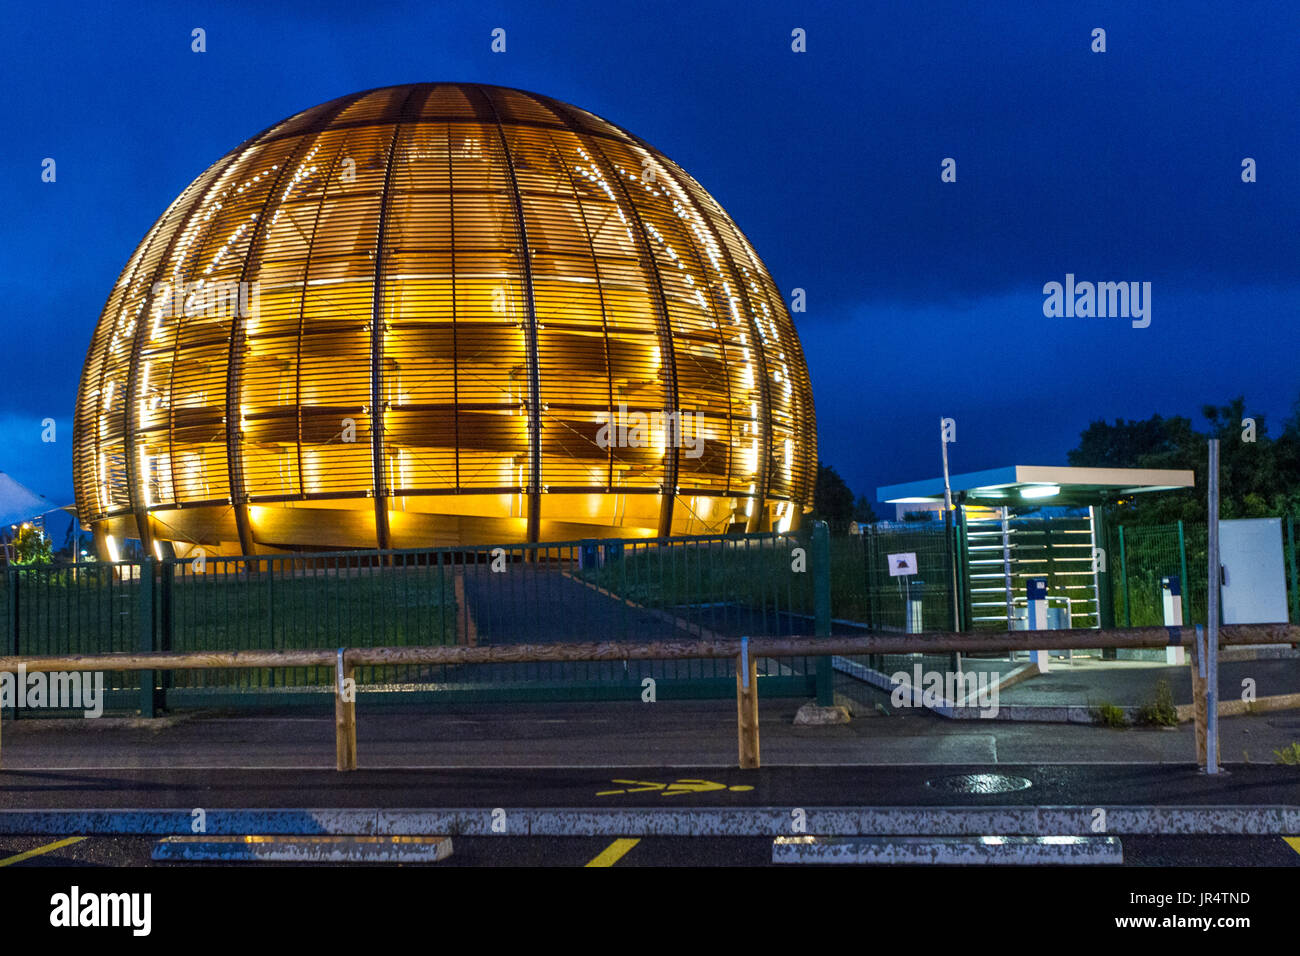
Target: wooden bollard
{"points": [[747, 707], [345, 715], [1201, 712], [1200, 701]]}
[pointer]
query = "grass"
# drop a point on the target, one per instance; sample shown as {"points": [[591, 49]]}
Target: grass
{"points": [[767, 573], [750, 572], [1109, 715], [1289, 755], [356, 607]]}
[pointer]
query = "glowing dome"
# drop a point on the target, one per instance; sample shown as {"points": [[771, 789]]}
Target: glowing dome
{"points": [[441, 314]]}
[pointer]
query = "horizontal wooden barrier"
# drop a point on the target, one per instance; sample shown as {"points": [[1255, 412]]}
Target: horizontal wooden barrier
{"points": [[870, 643], [745, 652]]}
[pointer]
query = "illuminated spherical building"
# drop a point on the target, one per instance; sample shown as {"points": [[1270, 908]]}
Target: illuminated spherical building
{"points": [[441, 314]]}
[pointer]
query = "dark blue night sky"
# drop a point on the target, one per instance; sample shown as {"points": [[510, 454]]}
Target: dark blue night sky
{"points": [[924, 298]]}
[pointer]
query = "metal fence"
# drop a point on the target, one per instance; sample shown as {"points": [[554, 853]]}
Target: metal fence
{"points": [[1144, 554], [761, 585], [863, 590], [745, 585]]}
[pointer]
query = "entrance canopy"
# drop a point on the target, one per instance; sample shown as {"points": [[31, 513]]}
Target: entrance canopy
{"points": [[1034, 485], [18, 503]]}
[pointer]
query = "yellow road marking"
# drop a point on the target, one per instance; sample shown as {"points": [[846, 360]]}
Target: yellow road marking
{"points": [[677, 788], [641, 785], [1292, 842], [39, 850], [614, 852]]}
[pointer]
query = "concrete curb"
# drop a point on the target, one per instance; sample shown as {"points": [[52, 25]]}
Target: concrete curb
{"points": [[1058, 714], [1072, 714], [1238, 708], [645, 821], [949, 851], [304, 849]]}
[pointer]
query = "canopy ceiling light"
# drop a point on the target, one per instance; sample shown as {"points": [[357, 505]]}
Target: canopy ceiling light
{"points": [[1040, 491]]}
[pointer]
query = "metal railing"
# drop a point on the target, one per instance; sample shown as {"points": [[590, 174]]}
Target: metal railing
{"points": [[744, 653]]}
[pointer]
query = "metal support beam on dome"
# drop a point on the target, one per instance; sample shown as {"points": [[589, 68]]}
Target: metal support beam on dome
{"points": [[378, 403], [524, 253], [672, 397]]}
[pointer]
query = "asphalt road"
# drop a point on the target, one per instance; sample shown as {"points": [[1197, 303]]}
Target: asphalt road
{"points": [[660, 786]]}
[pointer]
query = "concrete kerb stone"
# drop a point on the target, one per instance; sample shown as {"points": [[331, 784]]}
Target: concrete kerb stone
{"points": [[953, 710], [1061, 713], [812, 715], [950, 851], [646, 822]]}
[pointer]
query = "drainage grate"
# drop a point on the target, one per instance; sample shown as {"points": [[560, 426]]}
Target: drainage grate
{"points": [[979, 783]]}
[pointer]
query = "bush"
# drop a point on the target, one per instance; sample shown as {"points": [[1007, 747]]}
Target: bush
{"points": [[30, 546], [1159, 711]]}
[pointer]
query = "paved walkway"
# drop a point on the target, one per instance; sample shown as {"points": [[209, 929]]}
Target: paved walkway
{"points": [[669, 732]]}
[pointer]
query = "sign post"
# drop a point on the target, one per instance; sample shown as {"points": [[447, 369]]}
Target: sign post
{"points": [[904, 566], [1209, 661]]}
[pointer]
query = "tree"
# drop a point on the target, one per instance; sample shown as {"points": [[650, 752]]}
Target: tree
{"points": [[863, 513], [1257, 478], [1126, 443], [833, 501], [31, 546]]}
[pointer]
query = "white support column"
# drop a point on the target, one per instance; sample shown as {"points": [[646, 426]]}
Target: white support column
{"points": [[1171, 590], [1036, 593]]}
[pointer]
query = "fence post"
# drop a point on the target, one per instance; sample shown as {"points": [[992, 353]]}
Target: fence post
{"points": [[345, 715], [166, 582], [959, 590], [146, 625], [821, 562], [1295, 582], [747, 706], [967, 602], [1184, 580], [13, 623], [1123, 574], [1200, 683], [1211, 659]]}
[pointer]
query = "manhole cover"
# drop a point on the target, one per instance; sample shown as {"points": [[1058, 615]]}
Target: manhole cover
{"points": [[978, 783]]}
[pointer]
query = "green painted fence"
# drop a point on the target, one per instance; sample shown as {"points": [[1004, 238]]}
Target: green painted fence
{"points": [[582, 590], [1143, 554]]}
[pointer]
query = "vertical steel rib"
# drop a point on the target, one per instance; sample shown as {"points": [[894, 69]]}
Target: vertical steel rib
{"points": [[534, 358], [239, 338], [600, 293], [129, 398], [377, 403], [672, 399], [764, 462]]}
